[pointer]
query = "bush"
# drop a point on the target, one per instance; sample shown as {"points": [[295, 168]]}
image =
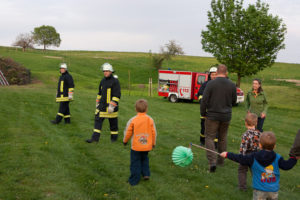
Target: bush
{"points": [[14, 72], [157, 60]]}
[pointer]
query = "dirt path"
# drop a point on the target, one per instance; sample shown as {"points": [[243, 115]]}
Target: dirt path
{"points": [[54, 57], [297, 82]]}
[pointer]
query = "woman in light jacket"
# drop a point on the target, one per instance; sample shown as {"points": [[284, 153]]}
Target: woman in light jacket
{"points": [[256, 102]]}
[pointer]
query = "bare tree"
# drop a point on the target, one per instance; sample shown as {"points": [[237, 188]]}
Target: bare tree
{"points": [[171, 49], [167, 51], [24, 40]]}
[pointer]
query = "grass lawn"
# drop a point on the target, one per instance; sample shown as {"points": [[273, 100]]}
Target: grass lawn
{"points": [[44, 161]]}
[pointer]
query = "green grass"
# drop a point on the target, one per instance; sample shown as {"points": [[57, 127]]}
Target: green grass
{"points": [[43, 161]]}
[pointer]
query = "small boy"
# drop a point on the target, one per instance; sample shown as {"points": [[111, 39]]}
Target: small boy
{"points": [[265, 166], [141, 129], [249, 144]]}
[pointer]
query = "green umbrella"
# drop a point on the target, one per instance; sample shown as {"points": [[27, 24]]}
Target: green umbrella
{"points": [[182, 156]]}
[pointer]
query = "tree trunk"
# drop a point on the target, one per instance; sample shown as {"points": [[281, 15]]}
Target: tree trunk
{"points": [[238, 82], [44, 47], [23, 49]]}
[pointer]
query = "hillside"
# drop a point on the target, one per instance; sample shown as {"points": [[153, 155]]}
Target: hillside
{"points": [[43, 161]]}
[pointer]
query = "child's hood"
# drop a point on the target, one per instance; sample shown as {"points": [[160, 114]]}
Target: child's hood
{"points": [[265, 158]]}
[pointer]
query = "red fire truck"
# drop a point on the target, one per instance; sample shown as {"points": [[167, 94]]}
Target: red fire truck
{"points": [[184, 85]]}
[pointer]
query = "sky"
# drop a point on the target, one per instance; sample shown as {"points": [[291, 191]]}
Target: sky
{"points": [[132, 25]]}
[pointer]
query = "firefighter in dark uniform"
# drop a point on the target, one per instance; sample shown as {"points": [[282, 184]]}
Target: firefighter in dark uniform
{"points": [[212, 76], [64, 95], [107, 104]]}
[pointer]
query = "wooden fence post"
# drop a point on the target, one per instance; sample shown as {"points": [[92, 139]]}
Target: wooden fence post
{"points": [[129, 82]]}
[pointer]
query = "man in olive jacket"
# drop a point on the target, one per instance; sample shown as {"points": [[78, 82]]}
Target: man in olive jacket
{"points": [[216, 106]]}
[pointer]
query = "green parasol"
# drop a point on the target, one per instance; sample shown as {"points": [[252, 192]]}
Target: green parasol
{"points": [[182, 156]]}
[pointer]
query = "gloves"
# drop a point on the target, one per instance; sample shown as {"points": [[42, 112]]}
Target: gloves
{"points": [[97, 103], [124, 143], [70, 95], [111, 108]]}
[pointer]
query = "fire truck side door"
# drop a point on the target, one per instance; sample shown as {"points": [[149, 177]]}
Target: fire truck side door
{"points": [[200, 79]]}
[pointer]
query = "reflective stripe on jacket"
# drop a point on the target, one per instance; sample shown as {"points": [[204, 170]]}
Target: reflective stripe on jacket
{"points": [[109, 90], [65, 86]]}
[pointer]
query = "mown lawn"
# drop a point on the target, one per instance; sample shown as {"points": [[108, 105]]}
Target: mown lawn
{"points": [[44, 161]]}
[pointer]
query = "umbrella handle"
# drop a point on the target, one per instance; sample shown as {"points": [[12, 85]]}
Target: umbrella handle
{"points": [[203, 148]]}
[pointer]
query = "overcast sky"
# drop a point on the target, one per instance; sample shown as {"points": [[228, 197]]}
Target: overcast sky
{"points": [[131, 25]]}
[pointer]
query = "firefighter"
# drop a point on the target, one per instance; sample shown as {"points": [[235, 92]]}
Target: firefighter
{"points": [[211, 76], [64, 95], [107, 102]]}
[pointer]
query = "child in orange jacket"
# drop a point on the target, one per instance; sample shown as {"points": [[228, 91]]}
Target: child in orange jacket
{"points": [[141, 129]]}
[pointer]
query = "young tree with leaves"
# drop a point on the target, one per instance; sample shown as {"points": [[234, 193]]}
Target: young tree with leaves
{"points": [[247, 40], [46, 36]]}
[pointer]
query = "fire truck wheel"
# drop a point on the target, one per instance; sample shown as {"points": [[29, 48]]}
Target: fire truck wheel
{"points": [[173, 98]]}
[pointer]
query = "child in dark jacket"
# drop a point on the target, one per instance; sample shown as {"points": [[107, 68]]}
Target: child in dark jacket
{"points": [[265, 166], [249, 144]]}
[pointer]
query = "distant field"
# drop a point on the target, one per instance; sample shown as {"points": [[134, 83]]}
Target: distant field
{"points": [[42, 161]]}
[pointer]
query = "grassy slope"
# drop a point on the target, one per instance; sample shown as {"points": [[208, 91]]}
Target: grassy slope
{"points": [[42, 161]]}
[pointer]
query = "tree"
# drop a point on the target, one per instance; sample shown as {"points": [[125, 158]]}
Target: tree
{"points": [[171, 49], [46, 36], [24, 40], [246, 40], [167, 51]]}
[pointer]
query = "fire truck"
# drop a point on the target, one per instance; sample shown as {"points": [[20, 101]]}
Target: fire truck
{"points": [[176, 85]]}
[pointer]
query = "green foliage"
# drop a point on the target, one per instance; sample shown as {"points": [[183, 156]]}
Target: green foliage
{"points": [[157, 60], [46, 36], [246, 40]]}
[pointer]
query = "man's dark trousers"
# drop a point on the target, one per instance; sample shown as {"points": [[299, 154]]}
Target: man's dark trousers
{"points": [[213, 127], [63, 112], [113, 123]]}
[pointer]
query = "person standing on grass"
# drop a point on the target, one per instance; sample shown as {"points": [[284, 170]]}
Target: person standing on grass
{"points": [[211, 76], [265, 166], [216, 106], [249, 144], [64, 95], [256, 102], [141, 129], [107, 102]]}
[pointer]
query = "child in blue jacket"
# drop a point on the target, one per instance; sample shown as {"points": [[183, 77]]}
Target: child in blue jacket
{"points": [[265, 166]]}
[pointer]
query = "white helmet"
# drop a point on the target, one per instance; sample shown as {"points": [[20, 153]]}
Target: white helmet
{"points": [[213, 70], [107, 67], [63, 66]]}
